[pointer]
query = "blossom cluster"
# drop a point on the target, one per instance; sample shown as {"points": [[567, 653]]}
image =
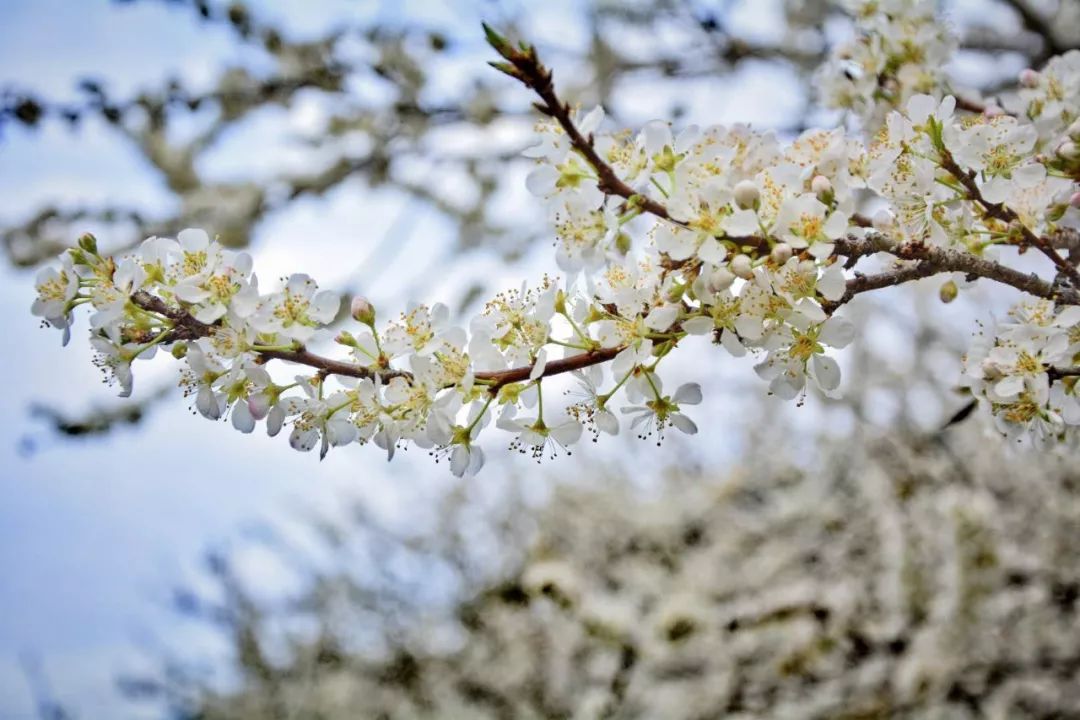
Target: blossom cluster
{"points": [[724, 232], [899, 50], [1013, 369], [416, 379]]}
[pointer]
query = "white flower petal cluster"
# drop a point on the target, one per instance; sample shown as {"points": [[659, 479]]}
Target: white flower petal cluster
{"points": [[1012, 371], [900, 49]]}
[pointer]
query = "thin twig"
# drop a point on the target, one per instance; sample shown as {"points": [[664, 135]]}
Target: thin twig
{"points": [[186, 327], [1006, 215]]}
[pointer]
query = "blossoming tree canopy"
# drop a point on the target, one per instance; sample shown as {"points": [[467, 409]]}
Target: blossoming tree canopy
{"points": [[736, 235]]}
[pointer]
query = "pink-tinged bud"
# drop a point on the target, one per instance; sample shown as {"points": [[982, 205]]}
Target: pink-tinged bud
{"points": [[742, 266], [1069, 150], [992, 110], [259, 405], [362, 310], [781, 253], [883, 220], [747, 194], [1075, 200], [1029, 78], [821, 186]]}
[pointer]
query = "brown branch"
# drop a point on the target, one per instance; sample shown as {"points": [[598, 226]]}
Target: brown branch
{"points": [[524, 65], [186, 327], [1056, 373], [499, 378], [933, 260], [1006, 215]]}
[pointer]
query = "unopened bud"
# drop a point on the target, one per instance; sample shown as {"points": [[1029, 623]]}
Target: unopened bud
{"points": [[362, 310], [821, 187], [991, 370], [1075, 200], [179, 350], [742, 266], [345, 338], [883, 220], [88, 243], [781, 253], [1068, 150], [747, 194], [1029, 78], [721, 279], [948, 291]]}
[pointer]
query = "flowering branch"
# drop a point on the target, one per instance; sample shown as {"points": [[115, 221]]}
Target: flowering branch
{"points": [[933, 261], [1000, 211], [739, 239], [524, 65], [188, 328]]}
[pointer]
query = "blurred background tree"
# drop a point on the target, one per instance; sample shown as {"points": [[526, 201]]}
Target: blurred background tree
{"points": [[853, 557]]}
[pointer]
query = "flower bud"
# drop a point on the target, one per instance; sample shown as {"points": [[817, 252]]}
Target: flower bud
{"points": [[362, 310], [345, 338], [948, 291], [1075, 200], [1029, 78], [721, 279], [742, 266], [991, 370], [821, 187], [1068, 150], [781, 253], [88, 243], [179, 350], [747, 194], [883, 221]]}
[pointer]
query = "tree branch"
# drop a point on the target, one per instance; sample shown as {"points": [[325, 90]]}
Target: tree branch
{"points": [[523, 65], [186, 327], [935, 260], [1000, 212]]}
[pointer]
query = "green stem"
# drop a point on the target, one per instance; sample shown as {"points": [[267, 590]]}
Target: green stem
{"points": [[468, 430], [648, 378], [161, 336], [659, 187], [539, 402], [569, 345]]}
